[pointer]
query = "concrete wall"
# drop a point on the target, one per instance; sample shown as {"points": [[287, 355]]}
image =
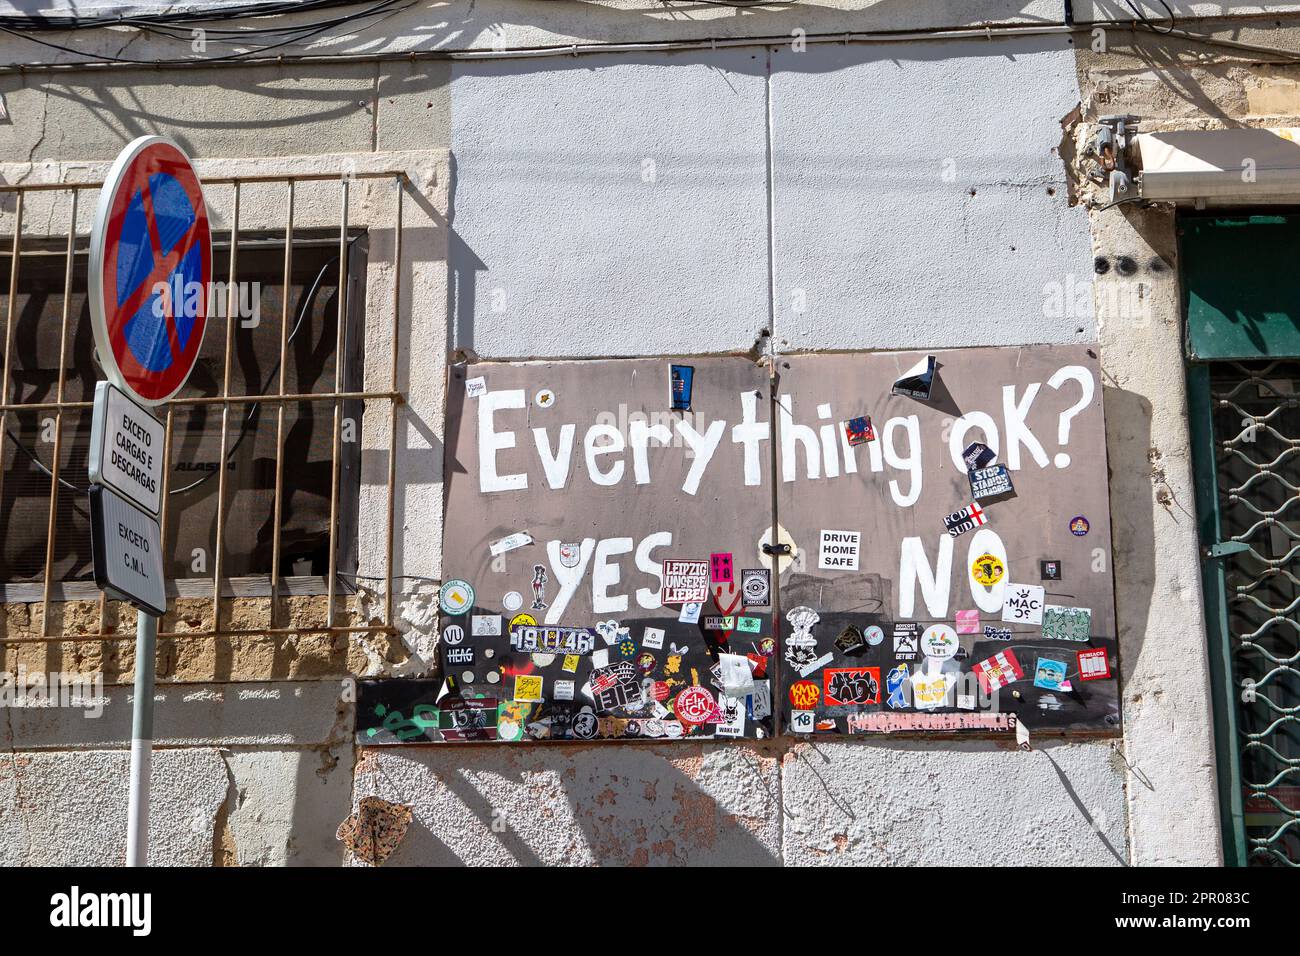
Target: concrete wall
{"points": [[847, 196]]}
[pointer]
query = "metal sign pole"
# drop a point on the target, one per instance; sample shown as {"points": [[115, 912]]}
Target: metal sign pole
{"points": [[128, 443], [137, 824]]}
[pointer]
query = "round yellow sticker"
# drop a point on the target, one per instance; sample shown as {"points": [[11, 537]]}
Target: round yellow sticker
{"points": [[527, 620], [987, 569]]}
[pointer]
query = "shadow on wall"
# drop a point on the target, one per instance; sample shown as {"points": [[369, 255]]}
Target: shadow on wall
{"points": [[1133, 469], [567, 804]]}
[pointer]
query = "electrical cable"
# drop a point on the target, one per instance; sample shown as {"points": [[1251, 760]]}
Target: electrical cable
{"points": [[1151, 26], [575, 49], [297, 34], [258, 8]]}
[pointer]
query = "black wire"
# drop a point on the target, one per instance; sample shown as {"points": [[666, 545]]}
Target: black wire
{"points": [[243, 429], [1148, 24], [258, 8], [300, 33]]}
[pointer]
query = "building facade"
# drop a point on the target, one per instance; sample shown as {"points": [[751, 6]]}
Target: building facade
{"points": [[513, 184]]}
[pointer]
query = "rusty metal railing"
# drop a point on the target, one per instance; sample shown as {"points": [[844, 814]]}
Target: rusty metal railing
{"points": [[277, 396]]}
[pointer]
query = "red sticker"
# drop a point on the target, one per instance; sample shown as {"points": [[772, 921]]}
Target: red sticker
{"points": [[720, 567], [695, 705], [852, 685], [1093, 664]]}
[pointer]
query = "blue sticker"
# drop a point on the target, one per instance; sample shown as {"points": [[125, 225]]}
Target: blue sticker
{"points": [[977, 455], [1049, 674], [918, 381], [990, 482], [683, 379], [895, 683], [1079, 526]]}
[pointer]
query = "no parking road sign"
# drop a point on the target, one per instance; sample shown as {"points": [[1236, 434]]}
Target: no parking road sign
{"points": [[150, 269]]}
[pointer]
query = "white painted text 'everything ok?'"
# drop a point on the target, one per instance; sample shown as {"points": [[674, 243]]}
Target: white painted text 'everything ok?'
{"points": [[825, 448]]}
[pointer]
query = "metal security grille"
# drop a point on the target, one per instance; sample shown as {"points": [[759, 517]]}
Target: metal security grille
{"points": [[1255, 408], [58, 407]]}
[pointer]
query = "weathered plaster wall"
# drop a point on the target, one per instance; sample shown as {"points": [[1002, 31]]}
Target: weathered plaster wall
{"points": [[224, 111], [918, 201], [705, 804], [613, 205], [853, 803], [1164, 660], [243, 773], [842, 153]]}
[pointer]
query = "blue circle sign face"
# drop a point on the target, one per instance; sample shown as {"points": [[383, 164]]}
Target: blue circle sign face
{"points": [[150, 270]]}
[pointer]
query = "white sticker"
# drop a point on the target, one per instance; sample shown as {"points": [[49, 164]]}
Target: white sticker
{"points": [[814, 665], [733, 713], [485, 625], [690, 614], [939, 642], [513, 601], [544, 398], [1023, 604], [600, 658], [563, 690], [1022, 735], [653, 638], [801, 721], [761, 699], [965, 701], [839, 550], [474, 387], [736, 675], [511, 541]]}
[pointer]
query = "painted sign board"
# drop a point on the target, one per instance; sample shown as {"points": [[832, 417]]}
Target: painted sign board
{"points": [[126, 447], [878, 604], [127, 549], [150, 270], [1039, 410], [633, 507]]}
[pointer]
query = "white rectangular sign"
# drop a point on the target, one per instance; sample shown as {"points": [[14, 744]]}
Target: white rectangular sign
{"points": [[839, 550], [126, 448], [127, 549]]}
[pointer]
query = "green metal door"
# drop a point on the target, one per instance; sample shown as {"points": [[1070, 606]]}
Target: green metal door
{"points": [[1244, 407]]}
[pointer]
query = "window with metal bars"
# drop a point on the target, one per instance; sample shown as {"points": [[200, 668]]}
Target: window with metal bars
{"points": [[262, 489], [1256, 420], [251, 457]]}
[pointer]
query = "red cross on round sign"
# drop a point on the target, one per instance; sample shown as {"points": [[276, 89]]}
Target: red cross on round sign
{"points": [[150, 270]]}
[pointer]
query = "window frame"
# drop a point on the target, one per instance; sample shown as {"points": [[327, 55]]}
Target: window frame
{"points": [[356, 302]]}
